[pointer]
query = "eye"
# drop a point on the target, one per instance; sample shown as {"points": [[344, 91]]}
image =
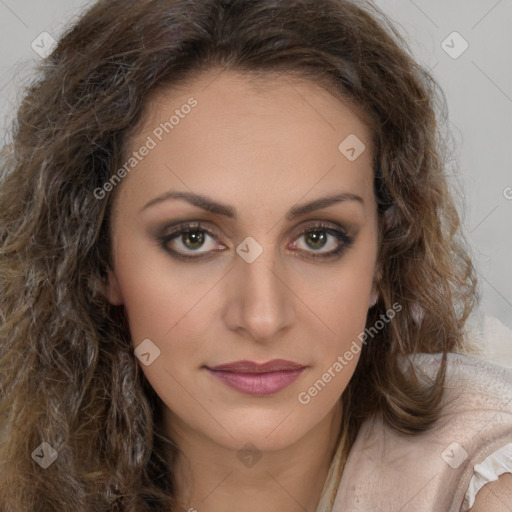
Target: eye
{"points": [[323, 241], [192, 239]]}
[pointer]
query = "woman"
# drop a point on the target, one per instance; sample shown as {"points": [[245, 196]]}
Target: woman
{"points": [[233, 275]]}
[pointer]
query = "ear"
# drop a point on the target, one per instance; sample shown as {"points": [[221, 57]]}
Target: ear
{"points": [[112, 290], [374, 297]]}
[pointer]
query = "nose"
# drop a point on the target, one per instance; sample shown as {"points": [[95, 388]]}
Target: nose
{"points": [[260, 303]]}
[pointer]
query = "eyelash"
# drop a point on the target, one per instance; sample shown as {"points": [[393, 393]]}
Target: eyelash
{"points": [[339, 234]]}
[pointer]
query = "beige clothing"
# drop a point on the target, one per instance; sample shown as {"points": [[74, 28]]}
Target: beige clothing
{"points": [[387, 471]]}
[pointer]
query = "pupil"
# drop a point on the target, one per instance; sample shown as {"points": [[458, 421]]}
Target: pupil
{"points": [[318, 239], [196, 239]]}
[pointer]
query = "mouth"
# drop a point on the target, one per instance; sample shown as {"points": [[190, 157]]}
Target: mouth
{"points": [[258, 379]]}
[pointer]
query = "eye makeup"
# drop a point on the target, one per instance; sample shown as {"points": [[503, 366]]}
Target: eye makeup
{"points": [[196, 241]]}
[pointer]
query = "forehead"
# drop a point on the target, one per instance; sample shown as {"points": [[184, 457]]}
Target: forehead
{"points": [[260, 136]]}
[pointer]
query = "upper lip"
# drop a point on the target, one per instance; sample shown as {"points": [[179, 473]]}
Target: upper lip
{"points": [[275, 365]]}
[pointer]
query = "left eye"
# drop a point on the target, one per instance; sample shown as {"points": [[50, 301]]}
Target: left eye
{"points": [[323, 241], [318, 239]]}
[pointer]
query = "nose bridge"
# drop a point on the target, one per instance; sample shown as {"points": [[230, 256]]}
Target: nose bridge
{"points": [[263, 304]]}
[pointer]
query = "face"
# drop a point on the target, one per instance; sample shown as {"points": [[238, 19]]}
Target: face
{"points": [[246, 233]]}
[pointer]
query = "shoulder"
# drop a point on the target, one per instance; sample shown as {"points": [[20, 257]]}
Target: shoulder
{"points": [[479, 395], [472, 374], [474, 388], [432, 470], [495, 496]]}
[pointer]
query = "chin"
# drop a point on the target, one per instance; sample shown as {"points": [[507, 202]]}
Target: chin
{"points": [[265, 431]]}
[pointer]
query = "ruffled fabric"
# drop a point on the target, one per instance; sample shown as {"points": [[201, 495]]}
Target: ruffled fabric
{"points": [[495, 465]]}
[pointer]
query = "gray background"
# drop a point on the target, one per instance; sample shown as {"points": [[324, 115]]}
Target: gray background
{"points": [[478, 88]]}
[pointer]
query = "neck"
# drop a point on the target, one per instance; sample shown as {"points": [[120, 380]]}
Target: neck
{"points": [[212, 478]]}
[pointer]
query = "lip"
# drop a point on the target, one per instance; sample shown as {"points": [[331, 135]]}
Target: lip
{"points": [[258, 379], [275, 365]]}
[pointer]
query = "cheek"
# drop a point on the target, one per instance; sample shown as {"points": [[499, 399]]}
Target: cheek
{"points": [[342, 302], [343, 311], [342, 306], [158, 298], [169, 313]]}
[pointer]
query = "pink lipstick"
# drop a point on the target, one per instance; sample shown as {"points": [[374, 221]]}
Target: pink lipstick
{"points": [[258, 379]]}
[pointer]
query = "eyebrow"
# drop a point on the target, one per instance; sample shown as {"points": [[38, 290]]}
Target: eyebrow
{"points": [[209, 205]]}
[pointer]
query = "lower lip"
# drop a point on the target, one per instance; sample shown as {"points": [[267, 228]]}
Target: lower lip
{"points": [[257, 384]]}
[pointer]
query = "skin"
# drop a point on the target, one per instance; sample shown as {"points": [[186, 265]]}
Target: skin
{"points": [[495, 496], [261, 147]]}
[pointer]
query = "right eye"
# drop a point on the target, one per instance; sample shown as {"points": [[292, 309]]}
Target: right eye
{"points": [[189, 238]]}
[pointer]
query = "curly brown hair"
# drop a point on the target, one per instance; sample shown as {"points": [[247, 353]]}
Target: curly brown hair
{"points": [[68, 373]]}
